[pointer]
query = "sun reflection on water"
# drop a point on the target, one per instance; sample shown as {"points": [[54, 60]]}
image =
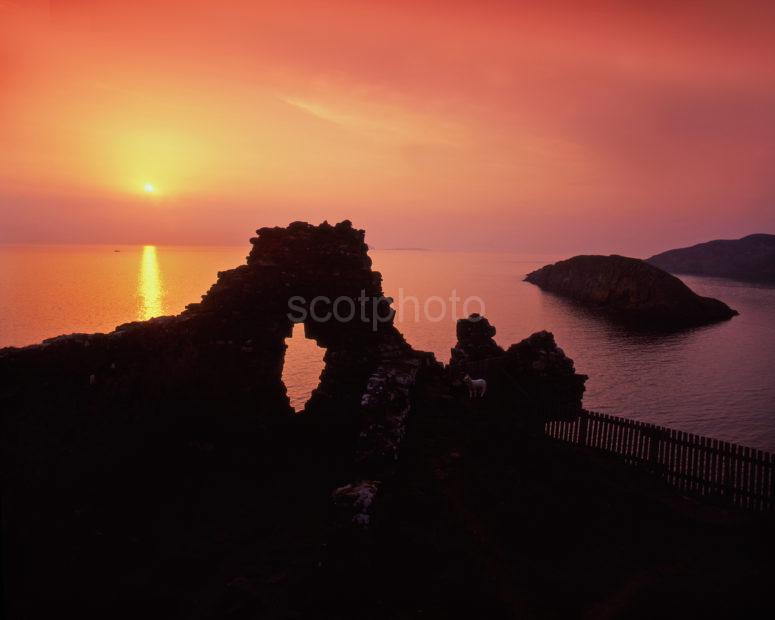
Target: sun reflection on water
{"points": [[150, 291]]}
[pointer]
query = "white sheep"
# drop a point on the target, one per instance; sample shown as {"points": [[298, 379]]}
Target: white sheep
{"points": [[476, 387]]}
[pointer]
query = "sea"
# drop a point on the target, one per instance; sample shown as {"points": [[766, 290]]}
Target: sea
{"points": [[717, 380]]}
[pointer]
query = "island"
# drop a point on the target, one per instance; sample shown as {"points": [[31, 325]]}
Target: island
{"points": [[630, 289], [751, 258]]}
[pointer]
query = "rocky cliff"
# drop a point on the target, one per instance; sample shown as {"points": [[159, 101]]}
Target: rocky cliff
{"points": [[630, 289], [749, 258]]}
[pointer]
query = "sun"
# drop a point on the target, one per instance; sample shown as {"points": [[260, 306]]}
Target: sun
{"points": [[148, 187]]}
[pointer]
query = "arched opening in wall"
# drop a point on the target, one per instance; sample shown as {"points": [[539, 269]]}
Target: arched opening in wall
{"points": [[302, 367]]}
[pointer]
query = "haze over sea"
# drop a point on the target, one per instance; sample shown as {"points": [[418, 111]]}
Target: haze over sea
{"points": [[714, 380]]}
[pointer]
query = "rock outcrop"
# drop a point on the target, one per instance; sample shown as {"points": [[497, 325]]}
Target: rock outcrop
{"points": [[533, 378], [474, 340], [630, 289], [750, 258]]}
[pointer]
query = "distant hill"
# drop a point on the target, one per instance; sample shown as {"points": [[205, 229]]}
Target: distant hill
{"points": [[631, 289], [749, 258]]}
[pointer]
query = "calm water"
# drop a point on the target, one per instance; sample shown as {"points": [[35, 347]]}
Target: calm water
{"points": [[715, 380]]}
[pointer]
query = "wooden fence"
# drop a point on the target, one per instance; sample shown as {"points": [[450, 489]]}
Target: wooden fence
{"points": [[705, 468]]}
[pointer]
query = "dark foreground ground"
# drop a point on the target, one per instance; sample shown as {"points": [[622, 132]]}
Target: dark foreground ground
{"points": [[478, 522]]}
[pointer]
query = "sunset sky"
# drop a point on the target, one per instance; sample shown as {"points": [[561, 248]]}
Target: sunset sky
{"points": [[626, 127]]}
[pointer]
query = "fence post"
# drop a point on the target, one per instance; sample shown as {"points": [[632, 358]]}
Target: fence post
{"points": [[583, 428], [727, 473], [655, 436]]}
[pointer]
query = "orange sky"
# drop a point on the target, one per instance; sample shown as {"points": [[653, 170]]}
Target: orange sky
{"points": [[548, 126]]}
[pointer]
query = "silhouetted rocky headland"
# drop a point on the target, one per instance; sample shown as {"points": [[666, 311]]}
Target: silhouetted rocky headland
{"points": [[630, 289], [159, 471], [750, 258]]}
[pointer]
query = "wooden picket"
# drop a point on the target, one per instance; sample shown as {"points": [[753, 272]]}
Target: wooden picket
{"points": [[709, 469]]}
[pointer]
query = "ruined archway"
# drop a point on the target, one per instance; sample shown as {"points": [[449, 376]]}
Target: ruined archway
{"points": [[318, 275]]}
